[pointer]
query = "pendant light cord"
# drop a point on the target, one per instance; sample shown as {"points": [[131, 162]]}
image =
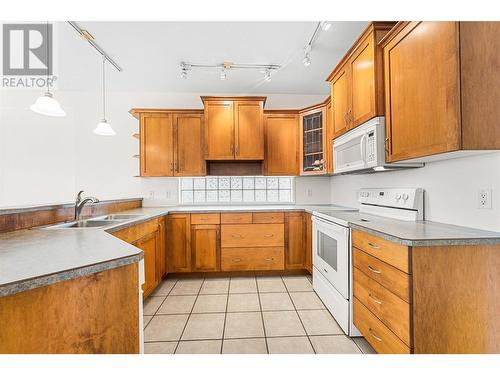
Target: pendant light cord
{"points": [[103, 88]]}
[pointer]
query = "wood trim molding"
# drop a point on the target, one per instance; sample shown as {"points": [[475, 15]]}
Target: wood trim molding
{"points": [[136, 112], [237, 98]]}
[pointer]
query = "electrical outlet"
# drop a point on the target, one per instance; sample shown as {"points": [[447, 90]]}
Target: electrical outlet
{"points": [[309, 192], [484, 198], [168, 194], [151, 194]]}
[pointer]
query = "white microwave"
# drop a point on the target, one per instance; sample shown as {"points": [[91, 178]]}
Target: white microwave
{"points": [[362, 150]]}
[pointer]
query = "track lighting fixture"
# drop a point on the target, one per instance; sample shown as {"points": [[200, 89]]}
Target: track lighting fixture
{"points": [[325, 25], [223, 75], [267, 75], [307, 58], [225, 67], [321, 25]]}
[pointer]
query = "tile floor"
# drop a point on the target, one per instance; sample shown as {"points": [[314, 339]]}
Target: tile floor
{"points": [[242, 315]]}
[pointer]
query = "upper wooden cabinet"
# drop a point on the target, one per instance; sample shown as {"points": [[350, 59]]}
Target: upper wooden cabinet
{"points": [[357, 81], [234, 128], [171, 142], [281, 130], [441, 88]]}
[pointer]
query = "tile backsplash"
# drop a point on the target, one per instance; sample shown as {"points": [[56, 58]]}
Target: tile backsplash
{"points": [[247, 189]]}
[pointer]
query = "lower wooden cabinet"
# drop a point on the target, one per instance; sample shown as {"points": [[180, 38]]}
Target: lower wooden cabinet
{"points": [[309, 254], [179, 243], [205, 248], [149, 245], [295, 246], [252, 259], [161, 265]]}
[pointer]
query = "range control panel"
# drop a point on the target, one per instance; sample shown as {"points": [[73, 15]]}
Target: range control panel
{"points": [[406, 198]]}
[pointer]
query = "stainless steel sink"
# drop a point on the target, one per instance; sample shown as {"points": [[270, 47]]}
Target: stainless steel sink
{"points": [[84, 224], [118, 217]]}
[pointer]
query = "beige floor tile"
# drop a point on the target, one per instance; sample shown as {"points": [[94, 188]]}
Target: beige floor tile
{"points": [[244, 346], [199, 347], [365, 347], [151, 305], [243, 285], [243, 302], [187, 287], [212, 303], [165, 328], [338, 344], [275, 301], [159, 347], [146, 319], [270, 284], [177, 305], [204, 327], [282, 323], [215, 286], [243, 324], [306, 301], [319, 322], [289, 345], [164, 288], [297, 284]]}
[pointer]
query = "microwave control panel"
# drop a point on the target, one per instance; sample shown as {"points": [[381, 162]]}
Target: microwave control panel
{"points": [[370, 147]]}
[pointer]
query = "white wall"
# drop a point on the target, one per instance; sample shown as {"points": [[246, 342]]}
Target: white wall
{"points": [[451, 189], [47, 160]]}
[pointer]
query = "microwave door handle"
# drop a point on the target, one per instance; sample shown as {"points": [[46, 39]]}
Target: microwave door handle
{"points": [[363, 148]]}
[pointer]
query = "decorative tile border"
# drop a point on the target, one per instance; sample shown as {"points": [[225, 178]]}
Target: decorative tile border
{"points": [[225, 189]]}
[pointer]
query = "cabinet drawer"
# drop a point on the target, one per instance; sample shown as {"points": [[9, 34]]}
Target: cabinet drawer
{"points": [[390, 252], [390, 277], [236, 218], [205, 218], [386, 306], [252, 235], [252, 259], [376, 333], [136, 232], [268, 217]]}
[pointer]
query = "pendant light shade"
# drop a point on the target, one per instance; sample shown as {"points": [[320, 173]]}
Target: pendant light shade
{"points": [[103, 128], [48, 106]]}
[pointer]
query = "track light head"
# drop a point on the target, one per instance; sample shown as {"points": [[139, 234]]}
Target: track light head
{"points": [[184, 74], [223, 74], [307, 60], [325, 25], [267, 76]]}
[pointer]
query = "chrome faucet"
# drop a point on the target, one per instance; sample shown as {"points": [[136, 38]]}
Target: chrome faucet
{"points": [[80, 202]]}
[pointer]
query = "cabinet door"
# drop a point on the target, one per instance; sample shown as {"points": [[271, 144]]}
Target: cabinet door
{"points": [[156, 146], [328, 137], [205, 245], [179, 243], [149, 245], [189, 159], [340, 104], [162, 248], [422, 90], [312, 142], [362, 69], [219, 130], [309, 256], [295, 246], [249, 130], [282, 145]]}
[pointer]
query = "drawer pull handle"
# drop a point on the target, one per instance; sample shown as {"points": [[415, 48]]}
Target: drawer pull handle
{"points": [[236, 235], [374, 270], [373, 245], [268, 235], [267, 217], [374, 300], [269, 259], [203, 219], [374, 335], [237, 260]]}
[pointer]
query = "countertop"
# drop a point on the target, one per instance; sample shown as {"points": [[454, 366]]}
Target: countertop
{"points": [[25, 254]]}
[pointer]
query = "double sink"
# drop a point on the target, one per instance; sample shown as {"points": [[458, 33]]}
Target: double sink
{"points": [[97, 222]]}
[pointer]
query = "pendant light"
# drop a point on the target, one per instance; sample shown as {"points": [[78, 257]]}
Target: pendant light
{"points": [[103, 127], [46, 104]]}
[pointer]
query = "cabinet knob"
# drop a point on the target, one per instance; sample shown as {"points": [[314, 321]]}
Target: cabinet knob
{"points": [[236, 235], [268, 235]]}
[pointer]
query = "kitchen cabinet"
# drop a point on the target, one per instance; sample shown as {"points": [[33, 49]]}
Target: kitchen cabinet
{"points": [[205, 242], [357, 81], [162, 248], [313, 140], [179, 243], [329, 135], [281, 143], [295, 244], [309, 255], [234, 128], [411, 299], [171, 142], [455, 108], [149, 237]]}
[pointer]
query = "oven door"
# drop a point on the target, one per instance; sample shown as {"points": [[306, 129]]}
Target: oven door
{"points": [[331, 253]]}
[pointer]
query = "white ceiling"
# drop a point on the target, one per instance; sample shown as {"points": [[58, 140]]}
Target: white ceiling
{"points": [[150, 54]]}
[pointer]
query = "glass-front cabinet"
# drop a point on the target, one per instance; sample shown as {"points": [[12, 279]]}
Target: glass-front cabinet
{"points": [[316, 139]]}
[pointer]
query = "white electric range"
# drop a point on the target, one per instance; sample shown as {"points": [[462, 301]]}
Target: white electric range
{"points": [[332, 250]]}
